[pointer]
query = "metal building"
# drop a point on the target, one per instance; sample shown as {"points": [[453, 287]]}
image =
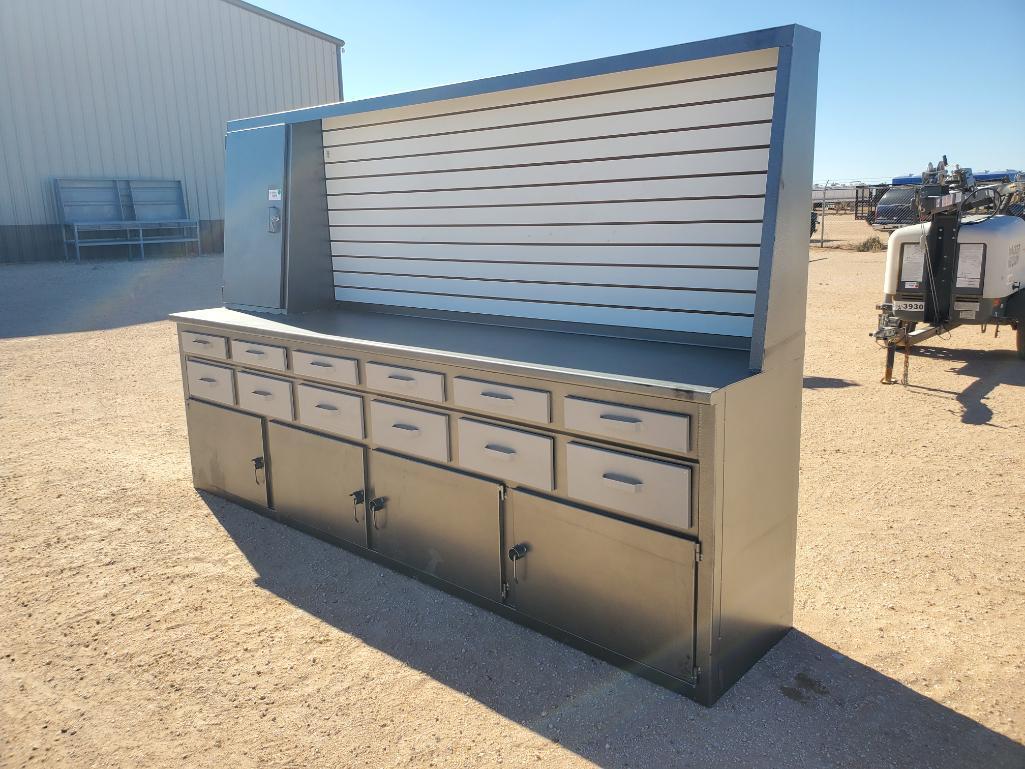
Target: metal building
{"points": [[125, 89]]}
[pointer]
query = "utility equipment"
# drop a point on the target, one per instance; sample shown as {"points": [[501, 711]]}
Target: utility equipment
{"points": [[962, 264]]}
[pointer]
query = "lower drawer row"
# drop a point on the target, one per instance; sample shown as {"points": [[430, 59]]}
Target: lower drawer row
{"points": [[645, 488]]}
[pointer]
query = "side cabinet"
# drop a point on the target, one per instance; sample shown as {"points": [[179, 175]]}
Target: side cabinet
{"points": [[624, 587], [318, 482], [227, 452], [441, 522]]}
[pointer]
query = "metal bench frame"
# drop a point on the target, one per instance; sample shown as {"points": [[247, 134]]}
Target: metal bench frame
{"points": [[121, 211]]}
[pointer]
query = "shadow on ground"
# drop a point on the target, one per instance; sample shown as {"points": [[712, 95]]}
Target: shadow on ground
{"points": [[988, 368], [827, 383], [803, 705], [57, 298]]}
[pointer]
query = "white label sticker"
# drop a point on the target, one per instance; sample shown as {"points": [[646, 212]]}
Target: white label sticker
{"points": [[969, 265], [912, 262], [967, 314], [909, 306], [973, 306], [273, 194]]}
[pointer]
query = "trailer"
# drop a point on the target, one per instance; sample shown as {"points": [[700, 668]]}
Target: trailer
{"points": [[962, 264]]}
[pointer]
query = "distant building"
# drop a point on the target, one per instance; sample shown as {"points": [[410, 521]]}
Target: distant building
{"points": [[126, 89]]}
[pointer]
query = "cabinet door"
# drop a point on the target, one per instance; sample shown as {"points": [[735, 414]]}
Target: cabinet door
{"points": [[441, 522], [227, 452], [253, 216], [313, 479], [621, 586]]}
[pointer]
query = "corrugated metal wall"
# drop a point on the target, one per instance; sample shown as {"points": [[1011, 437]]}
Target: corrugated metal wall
{"points": [[137, 88]]}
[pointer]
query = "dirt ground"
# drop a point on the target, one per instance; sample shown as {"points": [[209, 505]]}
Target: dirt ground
{"points": [[145, 625]]}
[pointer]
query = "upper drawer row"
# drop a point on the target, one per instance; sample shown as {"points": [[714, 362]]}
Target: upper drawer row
{"points": [[656, 429]]}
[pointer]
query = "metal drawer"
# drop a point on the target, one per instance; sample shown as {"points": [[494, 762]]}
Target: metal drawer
{"points": [[516, 402], [265, 395], [316, 366], [204, 344], [657, 429], [253, 354], [330, 411], [411, 431], [511, 454], [654, 491], [425, 385], [209, 382]]}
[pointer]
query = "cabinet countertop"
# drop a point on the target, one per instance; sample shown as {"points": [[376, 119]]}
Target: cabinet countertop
{"points": [[674, 370]]}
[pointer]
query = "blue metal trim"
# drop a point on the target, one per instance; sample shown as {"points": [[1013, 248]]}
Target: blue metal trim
{"points": [[775, 37], [805, 41]]}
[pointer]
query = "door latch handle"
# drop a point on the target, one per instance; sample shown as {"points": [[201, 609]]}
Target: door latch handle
{"points": [[516, 552], [273, 219], [258, 465], [359, 496], [376, 504]]}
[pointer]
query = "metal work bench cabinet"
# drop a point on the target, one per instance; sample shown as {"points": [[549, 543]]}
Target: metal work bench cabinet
{"points": [[537, 340]]}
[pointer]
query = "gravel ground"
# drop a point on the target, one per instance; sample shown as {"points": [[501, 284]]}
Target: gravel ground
{"points": [[146, 625]]}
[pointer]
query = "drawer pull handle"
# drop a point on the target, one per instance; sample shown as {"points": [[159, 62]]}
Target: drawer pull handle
{"points": [[326, 407], [623, 422], [404, 380], [197, 340], [411, 430], [261, 393], [501, 452], [622, 482], [321, 364], [498, 396], [208, 380], [255, 352]]}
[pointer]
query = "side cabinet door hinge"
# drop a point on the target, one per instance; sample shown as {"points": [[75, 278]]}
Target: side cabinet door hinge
{"points": [[695, 674], [697, 554], [501, 493]]}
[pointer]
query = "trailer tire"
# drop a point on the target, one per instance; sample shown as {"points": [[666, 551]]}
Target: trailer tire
{"points": [[1021, 339]]}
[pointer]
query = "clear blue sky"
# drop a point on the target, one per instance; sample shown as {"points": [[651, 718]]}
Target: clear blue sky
{"points": [[900, 83]]}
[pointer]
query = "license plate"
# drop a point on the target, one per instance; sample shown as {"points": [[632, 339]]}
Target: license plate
{"points": [[909, 306]]}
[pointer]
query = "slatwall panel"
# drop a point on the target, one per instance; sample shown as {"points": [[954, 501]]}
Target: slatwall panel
{"points": [[630, 199]]}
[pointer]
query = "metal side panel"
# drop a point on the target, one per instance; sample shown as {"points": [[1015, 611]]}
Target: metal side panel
{"points": [[621, 586], [227, 452], [254, 217], [314, 479], [438, 521]]}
